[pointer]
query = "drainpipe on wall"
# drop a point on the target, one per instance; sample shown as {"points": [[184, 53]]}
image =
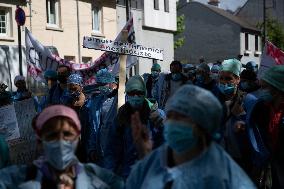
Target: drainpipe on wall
{"points": [[30, 7], [78, 31]]}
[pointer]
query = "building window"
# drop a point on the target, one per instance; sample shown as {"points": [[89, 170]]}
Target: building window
{"points": [[256, 43], [53, 12], [70, 58], [86, 59], [166, 6], [4, 21], [97, 19], [246, 41], [156, 4]]}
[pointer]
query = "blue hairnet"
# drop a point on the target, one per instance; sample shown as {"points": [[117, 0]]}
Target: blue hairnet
{"points": [[215, 68], [75, 79], [251, 65], [204, 67], [104, 76], [156, 67], [232, 65], [198, 104], [135, 83]]}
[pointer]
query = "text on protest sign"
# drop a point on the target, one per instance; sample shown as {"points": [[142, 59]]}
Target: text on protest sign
{"points": [[122, 48], [40, 59]]}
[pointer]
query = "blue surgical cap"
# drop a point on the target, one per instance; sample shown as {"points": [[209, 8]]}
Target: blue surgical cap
{"points": [[75, 79], [135, 83], [275, 77], [232, 65], [104, 76], [198, 104], [215, 68]]}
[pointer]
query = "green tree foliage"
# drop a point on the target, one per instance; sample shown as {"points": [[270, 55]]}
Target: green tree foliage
{"points": [[180, 29], [274, 32]]}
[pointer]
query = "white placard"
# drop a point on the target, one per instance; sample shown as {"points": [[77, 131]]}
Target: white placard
{"points": [[122, 48], [8, 123]]}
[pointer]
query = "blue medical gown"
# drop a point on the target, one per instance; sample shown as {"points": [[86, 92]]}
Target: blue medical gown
{"points": [[88, 176], [214, 168]]}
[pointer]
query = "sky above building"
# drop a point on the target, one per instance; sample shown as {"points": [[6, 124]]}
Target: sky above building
{"points": [[227, 4]]}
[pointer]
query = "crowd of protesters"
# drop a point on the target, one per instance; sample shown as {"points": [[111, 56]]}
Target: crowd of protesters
{"points": [[199, 126]]}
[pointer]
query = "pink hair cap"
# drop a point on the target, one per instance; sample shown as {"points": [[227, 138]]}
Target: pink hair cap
{"points": [[54, 111]]}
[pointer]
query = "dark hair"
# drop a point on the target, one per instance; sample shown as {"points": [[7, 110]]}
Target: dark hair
{"points": [[176, 62], [64, 66], [249, 75]]}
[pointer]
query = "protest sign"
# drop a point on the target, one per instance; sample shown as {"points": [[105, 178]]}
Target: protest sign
{"points": [[122, 48], [23, 149], [25, 112], [39, 59], [8, 123], [271, 56]]}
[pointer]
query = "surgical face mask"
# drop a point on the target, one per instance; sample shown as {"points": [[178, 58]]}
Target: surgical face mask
{"points": [[60, 153], [155, 74], [105, 90], [179, 136], [62, 79], [227, 89], [176, 76], [214, 76], [265, 95], [200, 78], [136, 101]]}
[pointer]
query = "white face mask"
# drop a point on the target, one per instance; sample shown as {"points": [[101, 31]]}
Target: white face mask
{"points": [[60, 153]]}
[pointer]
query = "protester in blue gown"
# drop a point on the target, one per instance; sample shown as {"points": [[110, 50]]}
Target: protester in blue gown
{"points": [[22, 92], [203, 78], [152, 84], [172, 82], [50, 77], [190, 158], [103, 110], [214, 72], [58, 128], [56, 91], [76, 99], [265, 125], [233, 130], [123, 153]]}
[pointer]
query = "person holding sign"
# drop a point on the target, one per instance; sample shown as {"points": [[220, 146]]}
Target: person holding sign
{"points": [[103, 110], [22, 92], [58, 128], [75, 98], [123, 153]]}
